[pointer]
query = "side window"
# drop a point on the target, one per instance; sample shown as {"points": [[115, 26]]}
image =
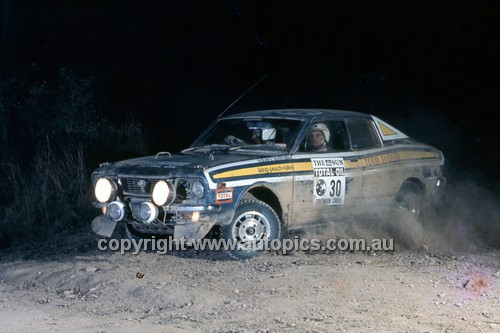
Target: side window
{"points": [[339, 140], [326, 136], [363, 134]]}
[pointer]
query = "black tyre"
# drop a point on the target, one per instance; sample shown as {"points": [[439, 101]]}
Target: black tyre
{"points": [[408, 229], [411, 199], [254, 223]]}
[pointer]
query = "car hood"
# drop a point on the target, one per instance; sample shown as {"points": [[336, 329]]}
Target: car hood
{"points": [[182, 164]]}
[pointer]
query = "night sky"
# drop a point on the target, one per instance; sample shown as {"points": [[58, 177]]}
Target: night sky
{"points": [[431, 69]]}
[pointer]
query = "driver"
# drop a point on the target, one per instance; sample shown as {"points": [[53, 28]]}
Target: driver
{"points": [[262, 132], [256, 136], [318, 137]]}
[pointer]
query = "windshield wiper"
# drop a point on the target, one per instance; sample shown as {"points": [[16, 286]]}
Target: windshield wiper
{"points": [[226, 148], [214, 146], [254, 146], [188, 149], [238, 147]]}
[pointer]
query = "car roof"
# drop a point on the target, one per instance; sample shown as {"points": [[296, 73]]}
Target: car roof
{"points": [[300, 114]]}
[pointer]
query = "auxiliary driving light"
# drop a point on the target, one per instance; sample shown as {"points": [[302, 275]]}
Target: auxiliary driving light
{"points": [[116, 211], [163, 193], [148, 212], [105, 189]]}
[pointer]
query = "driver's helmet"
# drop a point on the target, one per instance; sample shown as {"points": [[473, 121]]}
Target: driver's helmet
{"points": [[267, 131], [322, 128]]}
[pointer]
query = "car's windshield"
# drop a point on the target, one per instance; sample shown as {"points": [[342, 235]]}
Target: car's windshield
{"points": [[248, 133]]}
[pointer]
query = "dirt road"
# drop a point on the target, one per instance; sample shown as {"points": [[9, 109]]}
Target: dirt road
{"points": [[71, 286]]}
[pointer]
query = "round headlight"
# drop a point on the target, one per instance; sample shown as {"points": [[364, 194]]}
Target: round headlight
{"points": [[163, 193], [197, 188], [148, 212], [116, 211], [104, 190]]}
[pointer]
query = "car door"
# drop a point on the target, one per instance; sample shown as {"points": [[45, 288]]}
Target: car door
{"points": [[378, 177], [326, 183]]}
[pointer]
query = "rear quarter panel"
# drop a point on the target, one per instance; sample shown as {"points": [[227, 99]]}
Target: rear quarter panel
{"points": [[386, 169]]}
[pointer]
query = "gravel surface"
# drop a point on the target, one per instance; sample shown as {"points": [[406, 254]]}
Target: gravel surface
{"points": [[71, 286]]}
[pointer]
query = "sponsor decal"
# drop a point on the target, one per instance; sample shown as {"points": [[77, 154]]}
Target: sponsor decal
{"points": [[265, 170], [275, 168], [224, 195], [256, 170], [328, 180], [381, 159], [396, 157], [272, 159]]}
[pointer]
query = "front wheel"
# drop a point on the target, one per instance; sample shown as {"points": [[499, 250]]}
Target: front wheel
{"points": [[254, 224]]}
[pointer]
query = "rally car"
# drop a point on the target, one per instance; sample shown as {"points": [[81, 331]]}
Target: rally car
{"points": [[253, 175]]}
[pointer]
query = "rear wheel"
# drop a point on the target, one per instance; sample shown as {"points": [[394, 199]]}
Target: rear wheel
{"points": [[408, 230], [254, 223], [411, 199]]}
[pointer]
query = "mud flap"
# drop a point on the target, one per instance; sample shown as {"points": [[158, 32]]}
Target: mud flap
{"points": [[103, 225], [192, 231]]}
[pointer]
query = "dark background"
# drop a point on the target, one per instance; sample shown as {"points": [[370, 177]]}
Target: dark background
{"points": [[429, 68]]}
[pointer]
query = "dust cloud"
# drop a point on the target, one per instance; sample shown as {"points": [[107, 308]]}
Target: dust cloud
{"points": [[465, 219]]}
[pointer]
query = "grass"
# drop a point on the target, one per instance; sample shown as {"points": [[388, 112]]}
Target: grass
{"points": [[52, 138]]}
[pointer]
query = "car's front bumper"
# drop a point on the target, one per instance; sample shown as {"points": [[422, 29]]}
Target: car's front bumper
{"points": [[184, 221], [192, 208]]}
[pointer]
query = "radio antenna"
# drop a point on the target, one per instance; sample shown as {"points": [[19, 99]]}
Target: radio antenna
{"points": [[241, 96], [230, 105]]}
